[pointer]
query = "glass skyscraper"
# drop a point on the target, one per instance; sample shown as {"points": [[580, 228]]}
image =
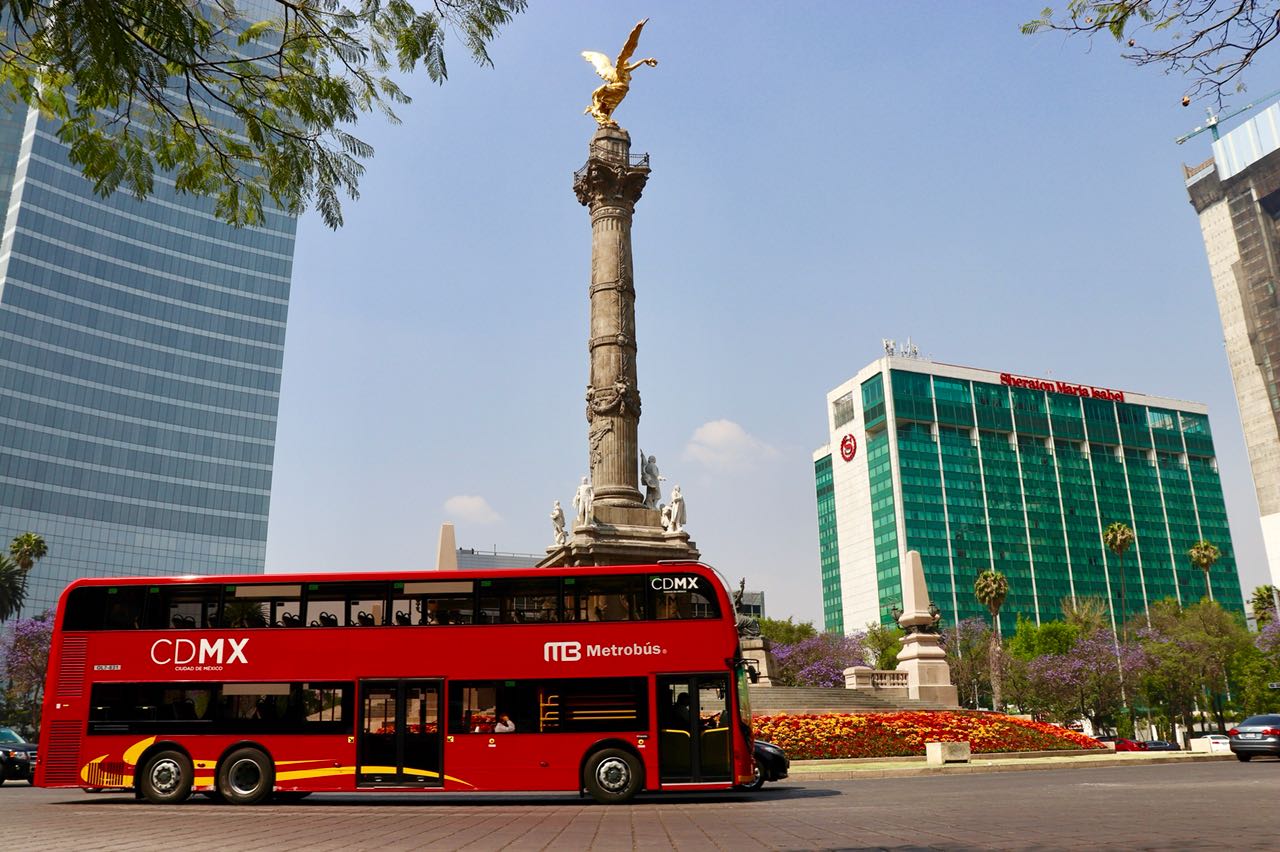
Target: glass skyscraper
{"points": [[141, 345], [1236, 195], [976, 469]]}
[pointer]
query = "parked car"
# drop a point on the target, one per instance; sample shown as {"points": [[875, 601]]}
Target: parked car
{"points": [[1123, 744], [17, 757], [771, 765], [1162, 745], [1211, 743], [1256, 735]]}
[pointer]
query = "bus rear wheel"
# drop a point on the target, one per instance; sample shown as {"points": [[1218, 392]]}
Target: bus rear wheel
{"points": [[612, 776], [166, 778], [245, 777]]}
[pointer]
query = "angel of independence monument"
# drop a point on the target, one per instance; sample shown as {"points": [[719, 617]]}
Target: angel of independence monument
{"points": [[612, 522]]}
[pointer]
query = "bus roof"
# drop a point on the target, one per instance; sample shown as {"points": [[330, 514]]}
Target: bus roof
{"points": [[387, 576]]}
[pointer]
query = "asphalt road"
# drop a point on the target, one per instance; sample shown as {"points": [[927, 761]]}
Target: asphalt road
{"points": [[1202, 805]]}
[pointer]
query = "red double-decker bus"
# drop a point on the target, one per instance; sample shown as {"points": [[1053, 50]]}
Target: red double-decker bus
{"points": [[609, 680]]}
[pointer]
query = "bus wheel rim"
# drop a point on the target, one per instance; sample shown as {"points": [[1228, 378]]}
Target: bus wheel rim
{"points": [[166, 775], [245, 777], [613, 774]]}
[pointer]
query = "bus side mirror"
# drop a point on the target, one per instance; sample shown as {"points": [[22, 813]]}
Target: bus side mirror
{"points": [[753, 673]]}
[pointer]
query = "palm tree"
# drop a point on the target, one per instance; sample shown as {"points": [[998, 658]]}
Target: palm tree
{"points": [[991, 588], [27, 549], [1263, 604], [1204, 554], [13, 587], [1118, 537]]}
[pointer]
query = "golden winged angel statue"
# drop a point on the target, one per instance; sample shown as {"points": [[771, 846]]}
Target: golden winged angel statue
{"points": [[616, 76]]}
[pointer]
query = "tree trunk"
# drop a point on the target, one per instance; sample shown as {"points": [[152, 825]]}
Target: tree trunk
{"points": [[1208, 588], [1215, 700], [996, 697]]}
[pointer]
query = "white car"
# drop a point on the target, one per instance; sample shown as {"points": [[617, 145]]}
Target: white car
{"points": [[1212, 743]]}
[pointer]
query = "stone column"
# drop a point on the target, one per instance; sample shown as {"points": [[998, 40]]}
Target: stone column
{"points": [[610, 185]]}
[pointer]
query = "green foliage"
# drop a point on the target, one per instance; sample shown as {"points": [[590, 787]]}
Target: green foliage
{"points": [[13, 588], [1204, 555], [1263, 604], [27, 549], [1031, 640], [1118, 537], [1086, 615], [231, 107], [786, 632], [991, 588], [883, 646], [1197, 655]]}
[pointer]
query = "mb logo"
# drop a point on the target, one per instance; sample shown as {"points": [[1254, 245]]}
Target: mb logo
{"points": [[562, 652]]}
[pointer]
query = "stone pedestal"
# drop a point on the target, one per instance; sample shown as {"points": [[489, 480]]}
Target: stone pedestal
{"points": [[939, 754], [622, 529], [757, 651], [921, 657]]}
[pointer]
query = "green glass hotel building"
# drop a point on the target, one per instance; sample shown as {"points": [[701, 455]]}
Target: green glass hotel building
{"points": [[974, 469]]}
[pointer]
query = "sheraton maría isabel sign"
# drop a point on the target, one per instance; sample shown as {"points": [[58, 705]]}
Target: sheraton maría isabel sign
{"points": [[1061, 387]]}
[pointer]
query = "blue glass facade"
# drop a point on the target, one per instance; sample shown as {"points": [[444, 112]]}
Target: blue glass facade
{"points": [[141, 345]]}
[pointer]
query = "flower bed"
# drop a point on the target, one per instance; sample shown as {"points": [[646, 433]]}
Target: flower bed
{"points": [[836, 735]]}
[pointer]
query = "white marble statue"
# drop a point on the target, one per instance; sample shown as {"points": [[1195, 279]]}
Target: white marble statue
{"points": [[582, 500], [652, 481], [557, 521], [673, 517]]}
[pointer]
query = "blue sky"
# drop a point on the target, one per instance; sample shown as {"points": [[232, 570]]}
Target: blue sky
{"points": [[824, 175]]}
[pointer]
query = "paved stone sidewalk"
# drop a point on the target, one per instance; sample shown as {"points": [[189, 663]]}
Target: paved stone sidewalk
{"points": [[1193, 804]]}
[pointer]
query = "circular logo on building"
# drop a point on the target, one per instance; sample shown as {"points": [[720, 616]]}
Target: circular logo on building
{"points": [[848, 448]]}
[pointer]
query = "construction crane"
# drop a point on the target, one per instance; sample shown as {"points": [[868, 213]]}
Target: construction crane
{"points": [[1214, 119]]}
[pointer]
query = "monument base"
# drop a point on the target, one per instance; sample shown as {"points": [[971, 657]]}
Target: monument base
{"points": [[622, 543], [756, 650], [930, 680]]}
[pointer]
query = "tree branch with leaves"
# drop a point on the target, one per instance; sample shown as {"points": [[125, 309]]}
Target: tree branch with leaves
{"points": [[231, 103], [1210, 42]]}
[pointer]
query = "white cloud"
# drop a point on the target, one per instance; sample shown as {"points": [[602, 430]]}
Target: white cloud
{"points": [[474, 510], [725, 446]]}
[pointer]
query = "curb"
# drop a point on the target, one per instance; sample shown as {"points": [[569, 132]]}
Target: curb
{"points": [[990, 755], [972, 768]]}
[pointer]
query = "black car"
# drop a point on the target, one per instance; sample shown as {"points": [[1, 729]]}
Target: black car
{"points": [[17, 757], [1162, 745], [1256, 735], [771, 765]]}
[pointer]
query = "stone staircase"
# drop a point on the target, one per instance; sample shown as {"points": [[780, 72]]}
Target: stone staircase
{"points": [[771, 700]]}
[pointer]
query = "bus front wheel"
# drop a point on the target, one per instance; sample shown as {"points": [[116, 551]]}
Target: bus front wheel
{"points": [[167, 778], [612, 776], [245, 777]]}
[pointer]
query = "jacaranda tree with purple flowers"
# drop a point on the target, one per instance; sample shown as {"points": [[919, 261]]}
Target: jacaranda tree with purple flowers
{"points": [[1085, 681], [1268, 641], [818, 660], [968, 646], [26, 656]]}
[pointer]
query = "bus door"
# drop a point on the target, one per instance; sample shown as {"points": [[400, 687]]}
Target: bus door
{"points": [[399, 734], [694, 726]]}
